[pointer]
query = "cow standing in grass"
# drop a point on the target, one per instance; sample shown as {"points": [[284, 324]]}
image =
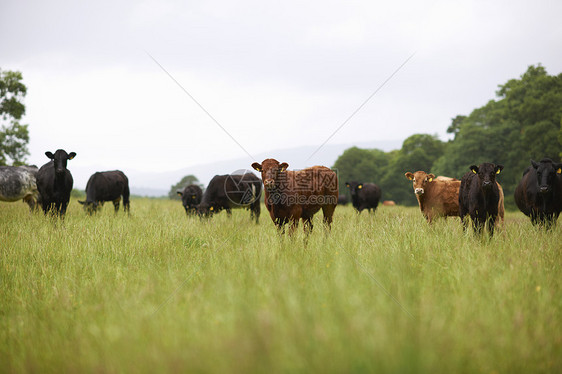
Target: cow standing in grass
{"points": [[539, 193], [364, 195], [54, 182], [231, 191], [107, 186], [437, 196], [19, 183], [294, 195], [479, 197], [190, 198]]}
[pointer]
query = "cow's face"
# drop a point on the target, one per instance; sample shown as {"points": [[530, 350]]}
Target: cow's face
{"points": [[205, 210], [546, 174], [60, 158], [272, 172], [90, 207], [486, 173], [354, 188], [420, 179]]}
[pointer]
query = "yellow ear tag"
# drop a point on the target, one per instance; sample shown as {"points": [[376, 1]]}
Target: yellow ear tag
{"points": [[474, 171], [559, 171], [497, 172], [430, 179], [360, 187], [211, 209]]}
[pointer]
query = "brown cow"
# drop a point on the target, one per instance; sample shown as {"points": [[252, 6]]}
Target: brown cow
{"points": [[389, 203], [292, 195], [437, 197]]}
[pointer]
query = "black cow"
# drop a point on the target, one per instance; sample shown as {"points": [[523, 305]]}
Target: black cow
{"points": [[539, 193], [106, 186], [364, 195], [190, 198], [19, 183], [231, 191], [479, 196], [54, 182]]}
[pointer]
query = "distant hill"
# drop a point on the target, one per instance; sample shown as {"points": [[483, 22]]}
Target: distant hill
{"points": [[158, 184]]}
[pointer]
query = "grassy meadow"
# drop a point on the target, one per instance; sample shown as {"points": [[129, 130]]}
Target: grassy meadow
{"points": [[160, 292]]}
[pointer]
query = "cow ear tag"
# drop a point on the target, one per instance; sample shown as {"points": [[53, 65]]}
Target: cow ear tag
{"points": [[360, 186], [559, 171], [474, 171], [430, 179], [497, 172], [211, 209]]}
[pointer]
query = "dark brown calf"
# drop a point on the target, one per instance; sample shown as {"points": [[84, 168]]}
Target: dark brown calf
{"points": [[294, 195]]}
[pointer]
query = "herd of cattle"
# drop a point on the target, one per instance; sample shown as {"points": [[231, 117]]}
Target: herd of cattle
{"points": [[291, 196]]}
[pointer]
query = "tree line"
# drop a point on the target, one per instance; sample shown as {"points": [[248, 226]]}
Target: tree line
{"points": [[524, 122]]}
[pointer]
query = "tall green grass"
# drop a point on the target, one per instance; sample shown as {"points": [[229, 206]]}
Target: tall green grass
{"points": [[158, 291]]}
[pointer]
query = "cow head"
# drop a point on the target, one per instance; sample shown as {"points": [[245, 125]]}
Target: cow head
{"points": [[420, 180], [60, 158], [546, 173], [90, 207], [486, 173], [272, 173], [205, 210], [354, 188]]}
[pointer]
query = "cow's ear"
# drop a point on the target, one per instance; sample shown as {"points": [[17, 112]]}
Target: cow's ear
{"points": [[284, 166], [50, 155], [430, 177], [498, 168], [71, 155], [257, 166], [535, 164], [409, 175], [359, 186], [179, 193], [474, 169]]}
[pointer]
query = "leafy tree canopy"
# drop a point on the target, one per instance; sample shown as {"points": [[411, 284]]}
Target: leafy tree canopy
{"points": [[524, 122], [14, 137]]}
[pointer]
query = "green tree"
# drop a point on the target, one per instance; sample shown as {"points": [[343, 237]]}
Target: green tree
{"points": [[14, 137], [523, 123], [362, 165], [185, 181], [418, 152]]}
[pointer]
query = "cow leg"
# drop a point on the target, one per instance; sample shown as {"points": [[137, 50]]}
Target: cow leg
{"points": [[116, 204], [491, 222], [307, 223], [328, 212], [255, 209], [229, 212], [477, 224]]}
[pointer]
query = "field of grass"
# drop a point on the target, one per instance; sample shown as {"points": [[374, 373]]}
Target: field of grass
{"points": [[160, 292]]}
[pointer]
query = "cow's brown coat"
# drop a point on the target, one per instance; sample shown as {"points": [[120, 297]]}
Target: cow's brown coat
{"points": [[290, 195]]}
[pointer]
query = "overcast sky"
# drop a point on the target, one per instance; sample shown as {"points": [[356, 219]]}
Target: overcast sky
{"points": [[274, 74]]}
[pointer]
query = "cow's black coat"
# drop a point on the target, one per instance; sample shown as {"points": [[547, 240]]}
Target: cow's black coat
{"points": [[107, 186], [479, 196], [539, 193], [190, 198], [232, 191], [364, 195], [54, 182]]}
